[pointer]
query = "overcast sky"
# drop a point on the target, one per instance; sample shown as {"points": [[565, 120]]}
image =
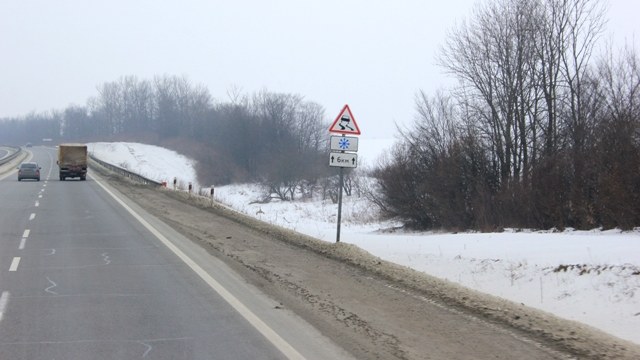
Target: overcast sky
{"points": [[373, 55]]}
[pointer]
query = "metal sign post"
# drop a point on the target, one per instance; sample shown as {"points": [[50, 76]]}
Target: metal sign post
{"points": [[340, 204]]}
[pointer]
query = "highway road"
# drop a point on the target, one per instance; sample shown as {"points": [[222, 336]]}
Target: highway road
{"points": [[86, 275]]}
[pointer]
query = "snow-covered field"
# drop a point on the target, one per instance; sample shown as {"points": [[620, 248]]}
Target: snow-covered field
{"points": [[589, 276]]}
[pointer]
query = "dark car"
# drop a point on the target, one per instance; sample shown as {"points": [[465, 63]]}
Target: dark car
{"points": [[29, 170]]}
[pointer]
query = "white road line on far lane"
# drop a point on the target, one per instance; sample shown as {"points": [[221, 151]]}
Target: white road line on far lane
{"points": [[37, 203], [25, 235], [14, 264], [32, 216], [4, 300], [281, 344]]}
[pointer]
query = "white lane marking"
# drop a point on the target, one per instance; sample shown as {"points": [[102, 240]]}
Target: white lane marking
{"points": [[25, 235], [4, 300], [39, 196], [53, 284], [105, 258], [252, 318], [14, 264], [32, 216], [37, 203], [149, 347]]}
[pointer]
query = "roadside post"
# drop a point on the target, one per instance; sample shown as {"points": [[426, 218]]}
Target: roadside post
{"points": [[343, 151], [212, 191]]}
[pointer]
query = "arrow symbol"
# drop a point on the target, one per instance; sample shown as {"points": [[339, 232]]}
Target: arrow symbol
{"points": [[332, 159], [353, 161]]}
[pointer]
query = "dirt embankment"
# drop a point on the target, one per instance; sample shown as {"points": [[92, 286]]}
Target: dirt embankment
{"points": [[373, 308]]}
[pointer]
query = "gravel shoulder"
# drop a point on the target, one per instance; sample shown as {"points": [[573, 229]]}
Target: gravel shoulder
{"points": [[372, 308]]}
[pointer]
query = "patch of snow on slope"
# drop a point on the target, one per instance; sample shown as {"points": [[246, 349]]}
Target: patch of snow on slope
{"points": [[150, 161]]}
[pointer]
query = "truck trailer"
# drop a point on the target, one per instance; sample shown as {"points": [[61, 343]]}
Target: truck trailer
{"points": [[72, 161]]}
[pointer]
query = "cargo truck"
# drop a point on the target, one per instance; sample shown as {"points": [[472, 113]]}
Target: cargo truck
{"points": [[72, 161]]}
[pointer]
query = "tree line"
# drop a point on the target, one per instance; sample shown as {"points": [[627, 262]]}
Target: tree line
{"points": [[278, 139], [539, 133]]}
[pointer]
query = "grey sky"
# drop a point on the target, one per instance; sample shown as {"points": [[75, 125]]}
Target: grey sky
{"points": [[373, 55]]}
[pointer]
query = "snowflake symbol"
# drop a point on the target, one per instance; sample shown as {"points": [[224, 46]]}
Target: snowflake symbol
{"points": [[343, 144]]}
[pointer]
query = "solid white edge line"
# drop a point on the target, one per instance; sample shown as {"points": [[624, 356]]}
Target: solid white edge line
{"points": [[14, 264], [4, 300], [252, 318]]}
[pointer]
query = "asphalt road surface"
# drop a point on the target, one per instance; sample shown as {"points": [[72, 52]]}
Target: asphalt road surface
{"points": [[83, 276]]}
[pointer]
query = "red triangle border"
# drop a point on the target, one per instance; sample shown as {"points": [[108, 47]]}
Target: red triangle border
{"points": [[353, 121]]}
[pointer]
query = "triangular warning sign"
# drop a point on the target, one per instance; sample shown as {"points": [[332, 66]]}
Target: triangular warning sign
{"points": [[345, 123]]}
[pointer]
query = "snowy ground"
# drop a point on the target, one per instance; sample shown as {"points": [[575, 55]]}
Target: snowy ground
{"points": [[589, 276]]}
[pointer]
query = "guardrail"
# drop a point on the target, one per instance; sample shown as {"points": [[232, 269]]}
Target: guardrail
{"points": [[126, 173], [15, 154]]}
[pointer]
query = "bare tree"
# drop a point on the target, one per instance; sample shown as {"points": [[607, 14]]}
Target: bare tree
{"points": [[110, 108], [291, 142], [617, 180], [494, 58], [503, 151], [77, 123]]}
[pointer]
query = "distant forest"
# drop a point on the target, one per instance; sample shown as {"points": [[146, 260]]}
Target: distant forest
{"points": [[542, 130], [277, 139]]}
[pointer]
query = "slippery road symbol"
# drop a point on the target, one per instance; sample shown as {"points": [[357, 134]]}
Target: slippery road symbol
{"points": [[345, 122]]}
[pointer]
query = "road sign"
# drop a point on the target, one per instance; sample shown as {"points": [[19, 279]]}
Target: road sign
{"points": [[345, 123], [344, 143], [344, 160]]}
